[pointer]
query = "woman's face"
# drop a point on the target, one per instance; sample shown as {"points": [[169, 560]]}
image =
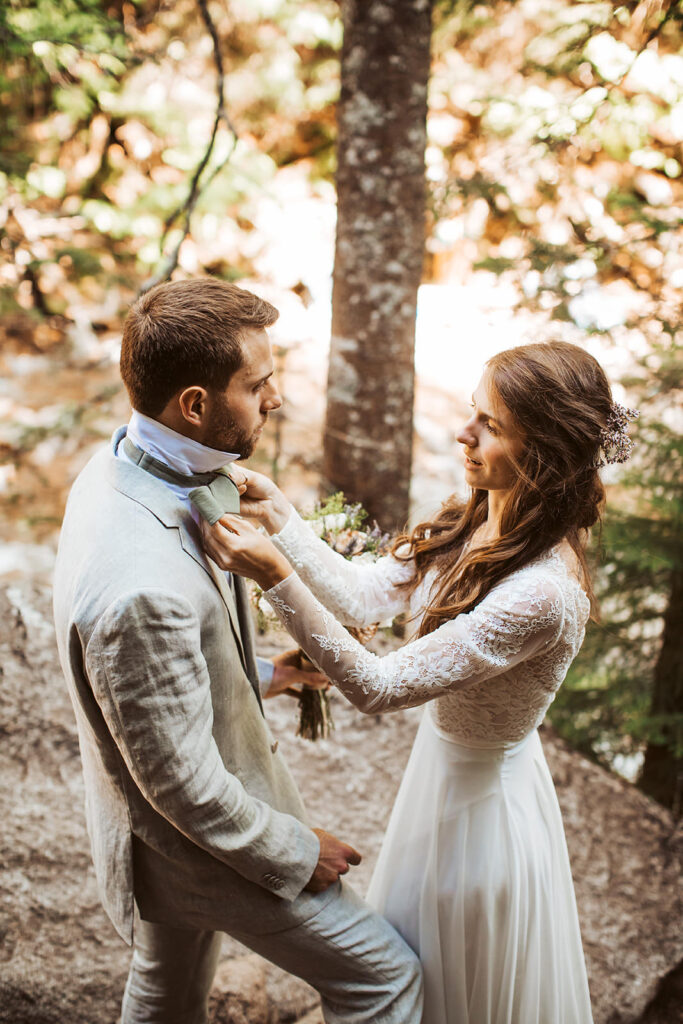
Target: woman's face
{"points": [[489, 438]]}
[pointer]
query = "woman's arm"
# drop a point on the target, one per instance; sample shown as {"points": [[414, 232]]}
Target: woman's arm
{"points": [[357, 594], [520, 617], [517, 620]]}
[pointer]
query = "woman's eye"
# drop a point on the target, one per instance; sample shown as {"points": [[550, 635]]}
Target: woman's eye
{"points": [[491, 430]]}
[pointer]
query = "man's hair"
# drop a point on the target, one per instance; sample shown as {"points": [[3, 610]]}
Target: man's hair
{"points": [[187, 332]]}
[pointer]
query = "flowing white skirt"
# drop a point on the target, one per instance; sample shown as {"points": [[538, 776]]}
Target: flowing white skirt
{"points": [[474, 874]]}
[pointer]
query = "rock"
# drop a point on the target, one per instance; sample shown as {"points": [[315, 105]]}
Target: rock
{"points": [[239, 993], [290, 997], [626, 861], [667, 1005], [314, 1017], [61, 958]]}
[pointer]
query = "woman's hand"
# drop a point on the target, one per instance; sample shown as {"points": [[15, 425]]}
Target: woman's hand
{"points": [[236, 545], [260, 498]]}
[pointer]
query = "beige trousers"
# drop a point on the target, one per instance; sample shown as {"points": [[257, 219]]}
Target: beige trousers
{"points": [[361, 967]]}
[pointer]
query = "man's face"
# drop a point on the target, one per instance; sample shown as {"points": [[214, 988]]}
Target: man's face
{"points": [[236, 416]]}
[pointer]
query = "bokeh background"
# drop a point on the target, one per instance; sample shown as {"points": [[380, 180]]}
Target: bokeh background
{"points": [[145, 139]]}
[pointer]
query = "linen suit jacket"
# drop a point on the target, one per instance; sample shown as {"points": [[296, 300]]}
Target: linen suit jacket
{"points": [[189, 806]]}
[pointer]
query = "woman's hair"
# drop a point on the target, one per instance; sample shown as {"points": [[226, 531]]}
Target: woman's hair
{"points": [[558, 398]]}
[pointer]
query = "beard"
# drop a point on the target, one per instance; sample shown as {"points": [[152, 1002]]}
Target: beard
{"points": [[226, 435]]}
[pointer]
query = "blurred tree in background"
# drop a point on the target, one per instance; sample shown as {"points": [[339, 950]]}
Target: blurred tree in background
{"points": [[382, 110], [554, 184], [58, 61]]}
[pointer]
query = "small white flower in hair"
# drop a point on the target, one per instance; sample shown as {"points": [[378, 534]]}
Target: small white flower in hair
{"points": [[615, 444]]}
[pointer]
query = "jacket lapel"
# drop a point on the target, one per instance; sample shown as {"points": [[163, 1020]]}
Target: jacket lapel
{"points": [[238, 610], [247, 631], [153, 493], [191, 545]]}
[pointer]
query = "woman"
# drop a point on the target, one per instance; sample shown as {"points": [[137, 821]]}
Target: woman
{"points": [[473, 871]]}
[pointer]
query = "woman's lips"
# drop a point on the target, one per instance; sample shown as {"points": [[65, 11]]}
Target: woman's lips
{"points": [[471, 464]]}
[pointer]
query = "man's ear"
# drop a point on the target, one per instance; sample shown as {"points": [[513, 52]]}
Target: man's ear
{"points": [[193, 405]]}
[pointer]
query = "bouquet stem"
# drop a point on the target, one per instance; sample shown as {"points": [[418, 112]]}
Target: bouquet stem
{"points": [[315, 716]]}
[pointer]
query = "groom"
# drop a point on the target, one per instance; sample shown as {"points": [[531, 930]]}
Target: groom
{"points": [[195, 822]]}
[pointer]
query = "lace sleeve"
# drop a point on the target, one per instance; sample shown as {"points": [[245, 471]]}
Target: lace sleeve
{"points": [[519, 618], [357, 594]]}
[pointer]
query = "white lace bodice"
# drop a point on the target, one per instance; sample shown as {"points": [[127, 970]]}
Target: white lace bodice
{"points": [[491, 673]]}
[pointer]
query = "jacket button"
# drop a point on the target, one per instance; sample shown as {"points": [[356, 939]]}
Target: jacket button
{"points": [[274, 746]]}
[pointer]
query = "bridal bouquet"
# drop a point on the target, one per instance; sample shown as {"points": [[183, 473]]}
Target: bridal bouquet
{"points": [[345, 528]]}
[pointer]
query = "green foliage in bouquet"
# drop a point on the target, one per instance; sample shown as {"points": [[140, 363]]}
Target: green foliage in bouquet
{"points": [[344, 527]]}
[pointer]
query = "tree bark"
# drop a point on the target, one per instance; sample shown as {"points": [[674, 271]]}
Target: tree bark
{"points": [[662, 773], [379, 253]]}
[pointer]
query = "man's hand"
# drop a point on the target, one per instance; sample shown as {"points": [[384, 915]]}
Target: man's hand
{"points": [[260, 498], [334, 860], [292, 671]]}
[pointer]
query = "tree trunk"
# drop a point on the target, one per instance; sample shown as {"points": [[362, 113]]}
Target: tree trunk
{"points": [[379, 253], [662, 773]]}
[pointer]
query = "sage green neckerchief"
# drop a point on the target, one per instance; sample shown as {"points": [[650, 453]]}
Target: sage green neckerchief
{"points": [[213, 494]]}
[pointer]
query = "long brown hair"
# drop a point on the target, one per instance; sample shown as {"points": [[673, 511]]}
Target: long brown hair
{"points": [[558, 398]]}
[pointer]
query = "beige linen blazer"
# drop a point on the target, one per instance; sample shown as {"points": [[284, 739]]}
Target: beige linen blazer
{"points": [[188, 804]]}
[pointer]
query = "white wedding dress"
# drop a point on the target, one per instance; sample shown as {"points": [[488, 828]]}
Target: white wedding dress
{"points": [[473, 871]]}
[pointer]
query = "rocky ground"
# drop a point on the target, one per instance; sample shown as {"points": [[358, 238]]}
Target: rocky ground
{"points": [[62, 963]]}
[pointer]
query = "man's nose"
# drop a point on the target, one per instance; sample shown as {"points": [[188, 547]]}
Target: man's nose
{"points": [[272, 399]]}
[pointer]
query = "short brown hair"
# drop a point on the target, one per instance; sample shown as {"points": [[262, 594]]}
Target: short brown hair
{"points": [[186, 332]]}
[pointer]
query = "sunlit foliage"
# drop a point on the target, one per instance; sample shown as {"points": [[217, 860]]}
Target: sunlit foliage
{"points": [[554, 166]]}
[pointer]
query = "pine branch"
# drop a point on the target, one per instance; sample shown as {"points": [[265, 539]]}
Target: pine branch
{"points": [[186, 209]]}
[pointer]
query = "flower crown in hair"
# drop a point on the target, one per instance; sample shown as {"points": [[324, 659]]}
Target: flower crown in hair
{"points": [[615, 444]]}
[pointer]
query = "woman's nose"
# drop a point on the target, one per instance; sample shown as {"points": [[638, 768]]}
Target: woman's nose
{"points": [[467, 435]]}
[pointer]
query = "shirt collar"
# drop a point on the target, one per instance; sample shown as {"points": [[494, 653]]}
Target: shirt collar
{"points": [[175, 450]]}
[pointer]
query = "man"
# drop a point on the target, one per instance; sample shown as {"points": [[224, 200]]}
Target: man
{"points": [[195, 823]]}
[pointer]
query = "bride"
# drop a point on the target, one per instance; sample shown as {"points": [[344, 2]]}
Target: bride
{"points": [[473, 871]]}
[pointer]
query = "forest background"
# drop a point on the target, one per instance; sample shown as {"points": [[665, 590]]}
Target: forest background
{"points": [[142, 139], [232, 138]]}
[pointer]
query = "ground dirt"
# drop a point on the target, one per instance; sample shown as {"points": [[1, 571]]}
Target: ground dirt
{"points": [[62, 963]]}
